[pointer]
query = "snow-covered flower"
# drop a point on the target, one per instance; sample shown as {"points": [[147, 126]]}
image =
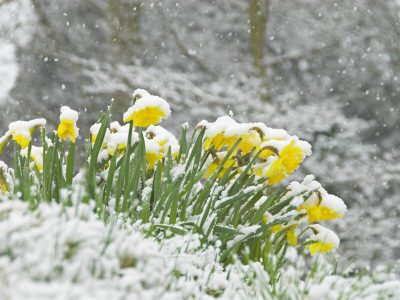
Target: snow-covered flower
{"points": [[148, 110], [158, 142], [94, 130], [140, 93], [36, 155], [250, 137], [22, 131], [4, 140], [154, 153], [3, 184], [164, 138], [216, 161], [119, 141], [324, 239], [327, 207], [215, 132], [6, 180], [67, 127], [289, 229], [320, 205], [291, 154]]}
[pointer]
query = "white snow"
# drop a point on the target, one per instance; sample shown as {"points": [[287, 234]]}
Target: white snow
{"points": [[324, 235], [65, 252], [69, 114], [8, 68], [149, 101], [140, 93], [219, 126]]}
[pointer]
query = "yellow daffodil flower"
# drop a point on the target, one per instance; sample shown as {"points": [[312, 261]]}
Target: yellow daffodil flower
{"points": [[67, 127], [214, 133], [319, 213], [4, 141], [22, 139], [324, 238], [22, 131], [218, 141], [290, 229], [249, 141], [3, 182], [288, 160], [148, 110], [152, 158], [216, 162], [320, 206], [36, 155]]}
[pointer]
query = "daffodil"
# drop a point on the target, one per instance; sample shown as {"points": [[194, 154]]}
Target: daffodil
{"points": [[152, 158], [274, 228], [289, 229], [154, 152], [291, 238], [22, 131], [214, 133], [140, 93], [36, 155], [323, 238], [94, 130], [148, 110], [67, 127], [4, 140], [4, 178], [258, 169], [216, 161], [288, 160], [119, 141], [320, 205], [250, 138]]}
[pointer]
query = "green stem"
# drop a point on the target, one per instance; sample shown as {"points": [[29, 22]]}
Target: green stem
{"points": [[70, 163]]}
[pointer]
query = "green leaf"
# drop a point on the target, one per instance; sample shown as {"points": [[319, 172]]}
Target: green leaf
{"points": [[110, 178], [70, 163], [95, 153], [227, 230], [264, 207], [173, 228]]}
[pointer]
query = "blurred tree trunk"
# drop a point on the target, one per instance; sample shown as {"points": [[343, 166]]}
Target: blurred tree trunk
{"points": [[258, 16], [124, 23]]}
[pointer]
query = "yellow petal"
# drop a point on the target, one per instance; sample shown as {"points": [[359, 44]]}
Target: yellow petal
{"points": [[21, 140], [66, 130]]}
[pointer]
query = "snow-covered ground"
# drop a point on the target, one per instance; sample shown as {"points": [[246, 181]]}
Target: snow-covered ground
{"points": [[66, 253], [56, 252]]}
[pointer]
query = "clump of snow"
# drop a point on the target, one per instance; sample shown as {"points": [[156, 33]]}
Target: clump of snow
{"points": [[69, 114], [140, 93], [94, 129], [163, 137], [324, 235], [149, 101], [22, 126], [219, 126]]}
